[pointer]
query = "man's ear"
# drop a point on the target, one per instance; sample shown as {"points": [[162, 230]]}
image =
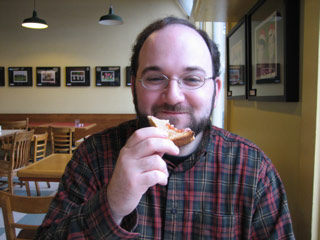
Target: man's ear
{"points": [[218, 84]]}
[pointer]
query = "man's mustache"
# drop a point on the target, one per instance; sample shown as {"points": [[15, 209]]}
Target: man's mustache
{"points": [[171, 108]]}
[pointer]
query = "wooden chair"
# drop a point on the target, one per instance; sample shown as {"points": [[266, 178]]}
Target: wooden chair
{"points": [[17, 158], [40, 146], [62, 140], [6, 142], [23, 124], [39, 151], [30, 205]]}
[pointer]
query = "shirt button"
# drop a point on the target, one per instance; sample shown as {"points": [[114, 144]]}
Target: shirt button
{"points": [[173, 210]]}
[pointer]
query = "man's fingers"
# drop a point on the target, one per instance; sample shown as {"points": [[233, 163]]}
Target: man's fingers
{"points": [[154, 162], [152, 178], [144, 133], [156, 145]]}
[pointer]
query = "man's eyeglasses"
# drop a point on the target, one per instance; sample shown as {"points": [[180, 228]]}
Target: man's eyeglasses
{"points": [[158, 81]]}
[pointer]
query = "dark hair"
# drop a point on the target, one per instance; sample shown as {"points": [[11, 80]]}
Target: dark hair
{"points": [[159, 24]]}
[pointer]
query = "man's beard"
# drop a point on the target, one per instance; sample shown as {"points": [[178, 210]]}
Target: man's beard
{"points": [[196, 125]]}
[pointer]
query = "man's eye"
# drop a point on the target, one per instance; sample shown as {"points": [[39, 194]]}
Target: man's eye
{"points": [[155, 79], [192, 80]]}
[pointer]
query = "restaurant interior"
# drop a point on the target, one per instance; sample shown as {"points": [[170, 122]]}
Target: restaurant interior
{"points": [[75, 44]]}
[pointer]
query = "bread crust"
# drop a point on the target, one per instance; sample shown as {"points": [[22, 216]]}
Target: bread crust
{"points": [[179, 137]]}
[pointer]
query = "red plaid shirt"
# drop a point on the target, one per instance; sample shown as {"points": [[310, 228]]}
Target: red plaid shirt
{"points": [[228, 189]]}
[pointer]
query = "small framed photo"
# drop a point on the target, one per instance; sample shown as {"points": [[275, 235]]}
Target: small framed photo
{"points": [[273, 27], [108, 76], [77, 76], [1, 76], [236, 75], [20, 76], [48, 76], [236, 61], [128, 76]]}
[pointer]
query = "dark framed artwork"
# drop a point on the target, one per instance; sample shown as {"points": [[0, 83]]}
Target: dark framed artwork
{"points": [[237, 61], [20, 76], [48, 76], [128, 76], [108, 76], [77, 76], [273, 38], [1, 76]]}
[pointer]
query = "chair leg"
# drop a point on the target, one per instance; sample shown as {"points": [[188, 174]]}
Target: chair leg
{"points": [[28, 188], [10, 184], [37, 188], [48, 184]]}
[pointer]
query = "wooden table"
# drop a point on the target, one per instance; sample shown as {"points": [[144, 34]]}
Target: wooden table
{"points": [[48, 169], [81, 130], [84, 126], [9, 132]]}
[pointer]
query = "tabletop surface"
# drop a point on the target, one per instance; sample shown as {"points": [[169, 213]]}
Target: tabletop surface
{"points": [[50, 167], [63, 124], [9, 132]]}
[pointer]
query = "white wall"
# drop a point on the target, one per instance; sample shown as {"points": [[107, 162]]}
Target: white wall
{"points": [[74, 38]]}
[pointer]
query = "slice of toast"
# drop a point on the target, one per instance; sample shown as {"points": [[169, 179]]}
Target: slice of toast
{"points": [[180, 137]]}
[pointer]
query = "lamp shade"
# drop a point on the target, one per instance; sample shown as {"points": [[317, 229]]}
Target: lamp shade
{"points": [[34, 22], [110, 19]]}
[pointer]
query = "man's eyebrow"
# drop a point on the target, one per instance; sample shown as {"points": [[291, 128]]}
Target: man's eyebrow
{"points": [[194, 69], [151, 68], [186, 69]]}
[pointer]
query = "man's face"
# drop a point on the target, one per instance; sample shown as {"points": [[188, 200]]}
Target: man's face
{"points": [[174, 51]]}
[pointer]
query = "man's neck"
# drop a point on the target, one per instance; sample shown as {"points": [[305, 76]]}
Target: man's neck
{"points": [[191, 147]]}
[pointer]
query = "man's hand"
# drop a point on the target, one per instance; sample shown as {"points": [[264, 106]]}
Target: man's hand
{"points": [[139, 166]]}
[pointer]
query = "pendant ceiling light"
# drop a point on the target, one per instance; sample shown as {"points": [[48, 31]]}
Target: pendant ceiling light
{"points": [[111, 19], [34, 22]]}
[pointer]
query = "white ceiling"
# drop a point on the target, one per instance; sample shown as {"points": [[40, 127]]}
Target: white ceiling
{"points": [[221, 10]]}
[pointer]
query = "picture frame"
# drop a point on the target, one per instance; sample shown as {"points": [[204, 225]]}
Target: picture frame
{"points": [[2, 82], [108, 76], [128, 76], [48, 76], [78, 76], [237, 61], [273, 37], [20, 76]]}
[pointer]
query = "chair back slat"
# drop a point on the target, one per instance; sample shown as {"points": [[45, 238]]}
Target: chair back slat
{"points": [[40, 146], [62, 139], [23, 124], [21, 149]]}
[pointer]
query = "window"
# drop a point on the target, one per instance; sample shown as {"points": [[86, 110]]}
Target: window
{"points": [[217, 32]]}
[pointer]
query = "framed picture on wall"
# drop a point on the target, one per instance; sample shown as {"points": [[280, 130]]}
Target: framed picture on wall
{"points": [[128, 76], [108, 76], [48, 76], [1, 76], [237, 61], [20, 76], [274, 51], [77, 76]]}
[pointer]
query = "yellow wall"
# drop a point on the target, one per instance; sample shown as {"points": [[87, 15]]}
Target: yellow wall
{"points": [[286, 131], [74, 38]]}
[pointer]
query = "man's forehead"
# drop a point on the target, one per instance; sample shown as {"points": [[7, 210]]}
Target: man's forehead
{"points": [[173, 38], [175, 31], [173, 49]]}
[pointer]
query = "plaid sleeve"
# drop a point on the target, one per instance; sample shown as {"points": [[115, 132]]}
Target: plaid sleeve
{"points": [[80, 208], [271, 217]]}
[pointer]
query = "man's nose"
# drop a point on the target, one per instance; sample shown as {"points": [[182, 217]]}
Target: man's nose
{"points": [[173, 94]]}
